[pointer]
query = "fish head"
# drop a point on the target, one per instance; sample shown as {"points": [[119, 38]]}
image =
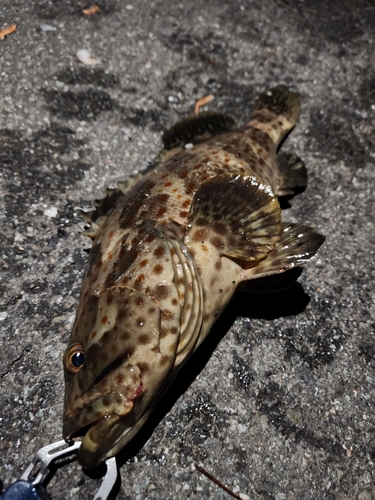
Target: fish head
{"points": [[114, 345]]}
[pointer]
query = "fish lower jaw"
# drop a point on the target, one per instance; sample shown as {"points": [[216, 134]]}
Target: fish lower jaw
{"points": [[103, 409]]}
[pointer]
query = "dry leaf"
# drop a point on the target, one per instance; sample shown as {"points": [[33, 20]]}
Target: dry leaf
{"points": [[7, 31], [202, 102], [91, 10], [85, 57]]}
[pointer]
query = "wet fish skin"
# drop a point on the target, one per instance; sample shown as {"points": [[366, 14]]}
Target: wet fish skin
{"points": [[168, 254]]}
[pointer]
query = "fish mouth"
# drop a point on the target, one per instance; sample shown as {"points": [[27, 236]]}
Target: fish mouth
{"points": [[101, 426]]}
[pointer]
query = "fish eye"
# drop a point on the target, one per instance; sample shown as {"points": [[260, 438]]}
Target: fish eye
{"points": [[75, 359]]}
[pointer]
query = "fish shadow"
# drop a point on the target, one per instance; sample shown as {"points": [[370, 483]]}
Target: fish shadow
{"points": [[267, 306]]}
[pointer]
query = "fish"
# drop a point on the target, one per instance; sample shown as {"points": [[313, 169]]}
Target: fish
{"points": [[170, 249]]}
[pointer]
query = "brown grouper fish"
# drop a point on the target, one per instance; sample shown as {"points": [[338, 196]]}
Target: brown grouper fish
{"points": [[169, 252]]}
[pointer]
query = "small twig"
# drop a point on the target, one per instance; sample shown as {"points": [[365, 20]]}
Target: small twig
{"points": [[217, 482], [7, 31], [202, 102]]}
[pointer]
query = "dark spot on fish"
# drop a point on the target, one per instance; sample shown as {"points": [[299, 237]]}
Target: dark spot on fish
{"points": [[159, 251], [139, 301], [141, 277], [158, 269], [164, 360], [200, 235], [93, 334], [217, 242], [140, 321], [104, 320], [183, 174], [174, 302], [143, 367], [186, 204], [184, 214], [143, 262], [107, 399], [162, 211], [143, 339], [120, 379], [151, 310], [164, 332], [162, 198], [202, 221], [168, 184], [150, 238], [218, 265], [220, 228]]}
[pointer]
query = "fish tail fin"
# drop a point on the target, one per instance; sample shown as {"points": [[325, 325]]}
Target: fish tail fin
{"points": [[276, 112]]}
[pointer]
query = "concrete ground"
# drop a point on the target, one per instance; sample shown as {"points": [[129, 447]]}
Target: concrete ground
{"points": [[279, 404]]}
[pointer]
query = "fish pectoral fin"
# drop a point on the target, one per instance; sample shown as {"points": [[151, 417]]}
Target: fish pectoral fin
{"points": [[297, 245], [238, 215], [104, 207], [196, 128], [292, 174]]}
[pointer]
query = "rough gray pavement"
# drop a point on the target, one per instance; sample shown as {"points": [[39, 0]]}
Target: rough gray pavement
{"points": [[279, 404]]}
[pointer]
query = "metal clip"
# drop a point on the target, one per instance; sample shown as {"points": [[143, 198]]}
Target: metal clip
{"points": [[48, 454], [45, 456]]}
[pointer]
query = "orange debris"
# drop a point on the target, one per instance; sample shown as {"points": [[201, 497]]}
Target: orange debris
{"points": [[7, 31], [202, 102], [91, 10]]}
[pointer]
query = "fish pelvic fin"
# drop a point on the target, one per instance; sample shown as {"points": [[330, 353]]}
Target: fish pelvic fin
{"points": [[297, 245], [238, 215], [276, 112]]}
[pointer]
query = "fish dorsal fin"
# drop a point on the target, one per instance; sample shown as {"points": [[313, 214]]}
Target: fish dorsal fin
{"points": [[239, 215], [103, 207], [197, 128], [297, 245]]}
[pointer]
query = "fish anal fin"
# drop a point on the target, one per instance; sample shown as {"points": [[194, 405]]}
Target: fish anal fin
{"points": [[297, 245], [292, 174], [239, 216], [196, 128]]}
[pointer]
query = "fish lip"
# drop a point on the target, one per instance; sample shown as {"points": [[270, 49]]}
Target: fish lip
{"points": [[86, 417], [70, 428]]}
